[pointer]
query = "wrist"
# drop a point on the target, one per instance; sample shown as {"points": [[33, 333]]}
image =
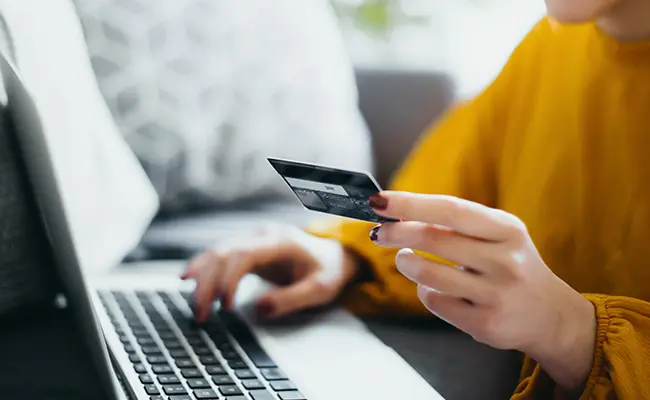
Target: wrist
{"points": [[566, 354]]}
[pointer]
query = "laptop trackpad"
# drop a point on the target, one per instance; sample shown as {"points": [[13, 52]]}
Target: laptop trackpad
{"points": [[332, 355]]}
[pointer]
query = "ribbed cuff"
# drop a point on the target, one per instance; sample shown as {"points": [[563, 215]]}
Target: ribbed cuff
{"points": [[598, 370]]}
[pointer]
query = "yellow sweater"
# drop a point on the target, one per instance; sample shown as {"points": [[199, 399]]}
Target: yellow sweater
{"points": [[562, 140]]}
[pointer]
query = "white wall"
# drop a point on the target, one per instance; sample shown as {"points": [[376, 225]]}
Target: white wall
{"points": [[470, 39]]}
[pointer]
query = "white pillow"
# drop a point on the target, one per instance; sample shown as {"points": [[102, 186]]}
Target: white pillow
{"points": [[108, 198], [204, 90]]}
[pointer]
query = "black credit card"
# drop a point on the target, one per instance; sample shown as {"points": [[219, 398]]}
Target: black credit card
{"points": [[330, 190]]}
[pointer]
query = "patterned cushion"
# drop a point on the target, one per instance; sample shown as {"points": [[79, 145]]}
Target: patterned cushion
{"points": [[204, 90]]}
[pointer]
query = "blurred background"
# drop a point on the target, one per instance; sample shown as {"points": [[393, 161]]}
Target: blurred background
{"points": [[202, 91], [469, 39]]}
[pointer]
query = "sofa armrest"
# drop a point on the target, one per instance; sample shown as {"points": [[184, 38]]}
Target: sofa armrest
{"points": [[398, 105]]}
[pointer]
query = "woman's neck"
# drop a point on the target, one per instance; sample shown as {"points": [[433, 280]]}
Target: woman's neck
{"points": [[628, 20]]}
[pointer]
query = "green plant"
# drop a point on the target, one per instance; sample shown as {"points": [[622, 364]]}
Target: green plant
{"points": [[375, 17]]}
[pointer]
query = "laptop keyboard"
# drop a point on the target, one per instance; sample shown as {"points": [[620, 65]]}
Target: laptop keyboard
{"points": [[177, 359]]}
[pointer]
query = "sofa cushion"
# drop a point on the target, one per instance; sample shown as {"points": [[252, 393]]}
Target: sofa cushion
{"points": [[204, 90], [399, 105]]}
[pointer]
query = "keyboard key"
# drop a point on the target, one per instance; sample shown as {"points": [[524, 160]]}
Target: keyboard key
{"points": [[294, 395], [196, 341], [154, 316], [205, 394], [146, 341], [193, 334], [156, 359], [280, 386], [166, 334], [174, 389], [173, 344], [229, 390], [216, 370], [160, 324], [151, 389], [247, 340], [185, 324], [168, 379], [237, 364], [139, 332], [198, 383], [134, 358], [190, 373], [261, 395], [221, 340], [156, 398], [209, 360], [139, 368], [237, 398], [259, 357], [179, 353], [162, 369], [273, 374], [185, 364], [202, 351], [225, 346], [230, 355], [144, 378], [124, 339], [244, 374], [180, 397], [221, 380], [136, 325], [129, 349], [252, 384], [150, 350]]}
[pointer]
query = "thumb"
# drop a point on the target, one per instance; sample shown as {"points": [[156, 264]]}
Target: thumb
{"points": [[308, 292]]}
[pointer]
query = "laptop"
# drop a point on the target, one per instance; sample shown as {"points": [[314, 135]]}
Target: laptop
{"points": [[138, 324]]}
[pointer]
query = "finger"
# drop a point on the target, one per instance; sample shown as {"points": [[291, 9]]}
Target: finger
{"points": [[442, 278], [238, 265], [196, 264], [444, 243], [241, 263], [209, 278], [465, 217], [289, 299], [448, 308]]}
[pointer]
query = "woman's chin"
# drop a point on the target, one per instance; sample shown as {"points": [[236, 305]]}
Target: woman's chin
{"points": [[576, 11], [568, 18]]}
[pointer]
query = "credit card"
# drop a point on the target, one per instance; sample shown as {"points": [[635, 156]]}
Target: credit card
{"points": [[334, 191], [331, 190]]}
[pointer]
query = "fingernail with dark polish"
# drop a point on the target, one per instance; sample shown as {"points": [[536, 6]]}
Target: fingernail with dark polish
{"points": [[374, 232], [378, 202], [223, 301], [265, 309]]}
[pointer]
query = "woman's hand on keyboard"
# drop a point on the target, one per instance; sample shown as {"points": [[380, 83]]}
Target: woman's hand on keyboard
{"points": [[310, 271]]}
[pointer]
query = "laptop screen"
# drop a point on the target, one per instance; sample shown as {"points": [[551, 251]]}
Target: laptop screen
{"points": [[36, 156]]}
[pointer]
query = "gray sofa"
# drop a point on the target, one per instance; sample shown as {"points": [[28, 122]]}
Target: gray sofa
{"points": [[398, 106]]}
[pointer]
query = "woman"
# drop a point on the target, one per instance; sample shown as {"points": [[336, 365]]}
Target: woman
{"points": [[559, 140]]}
